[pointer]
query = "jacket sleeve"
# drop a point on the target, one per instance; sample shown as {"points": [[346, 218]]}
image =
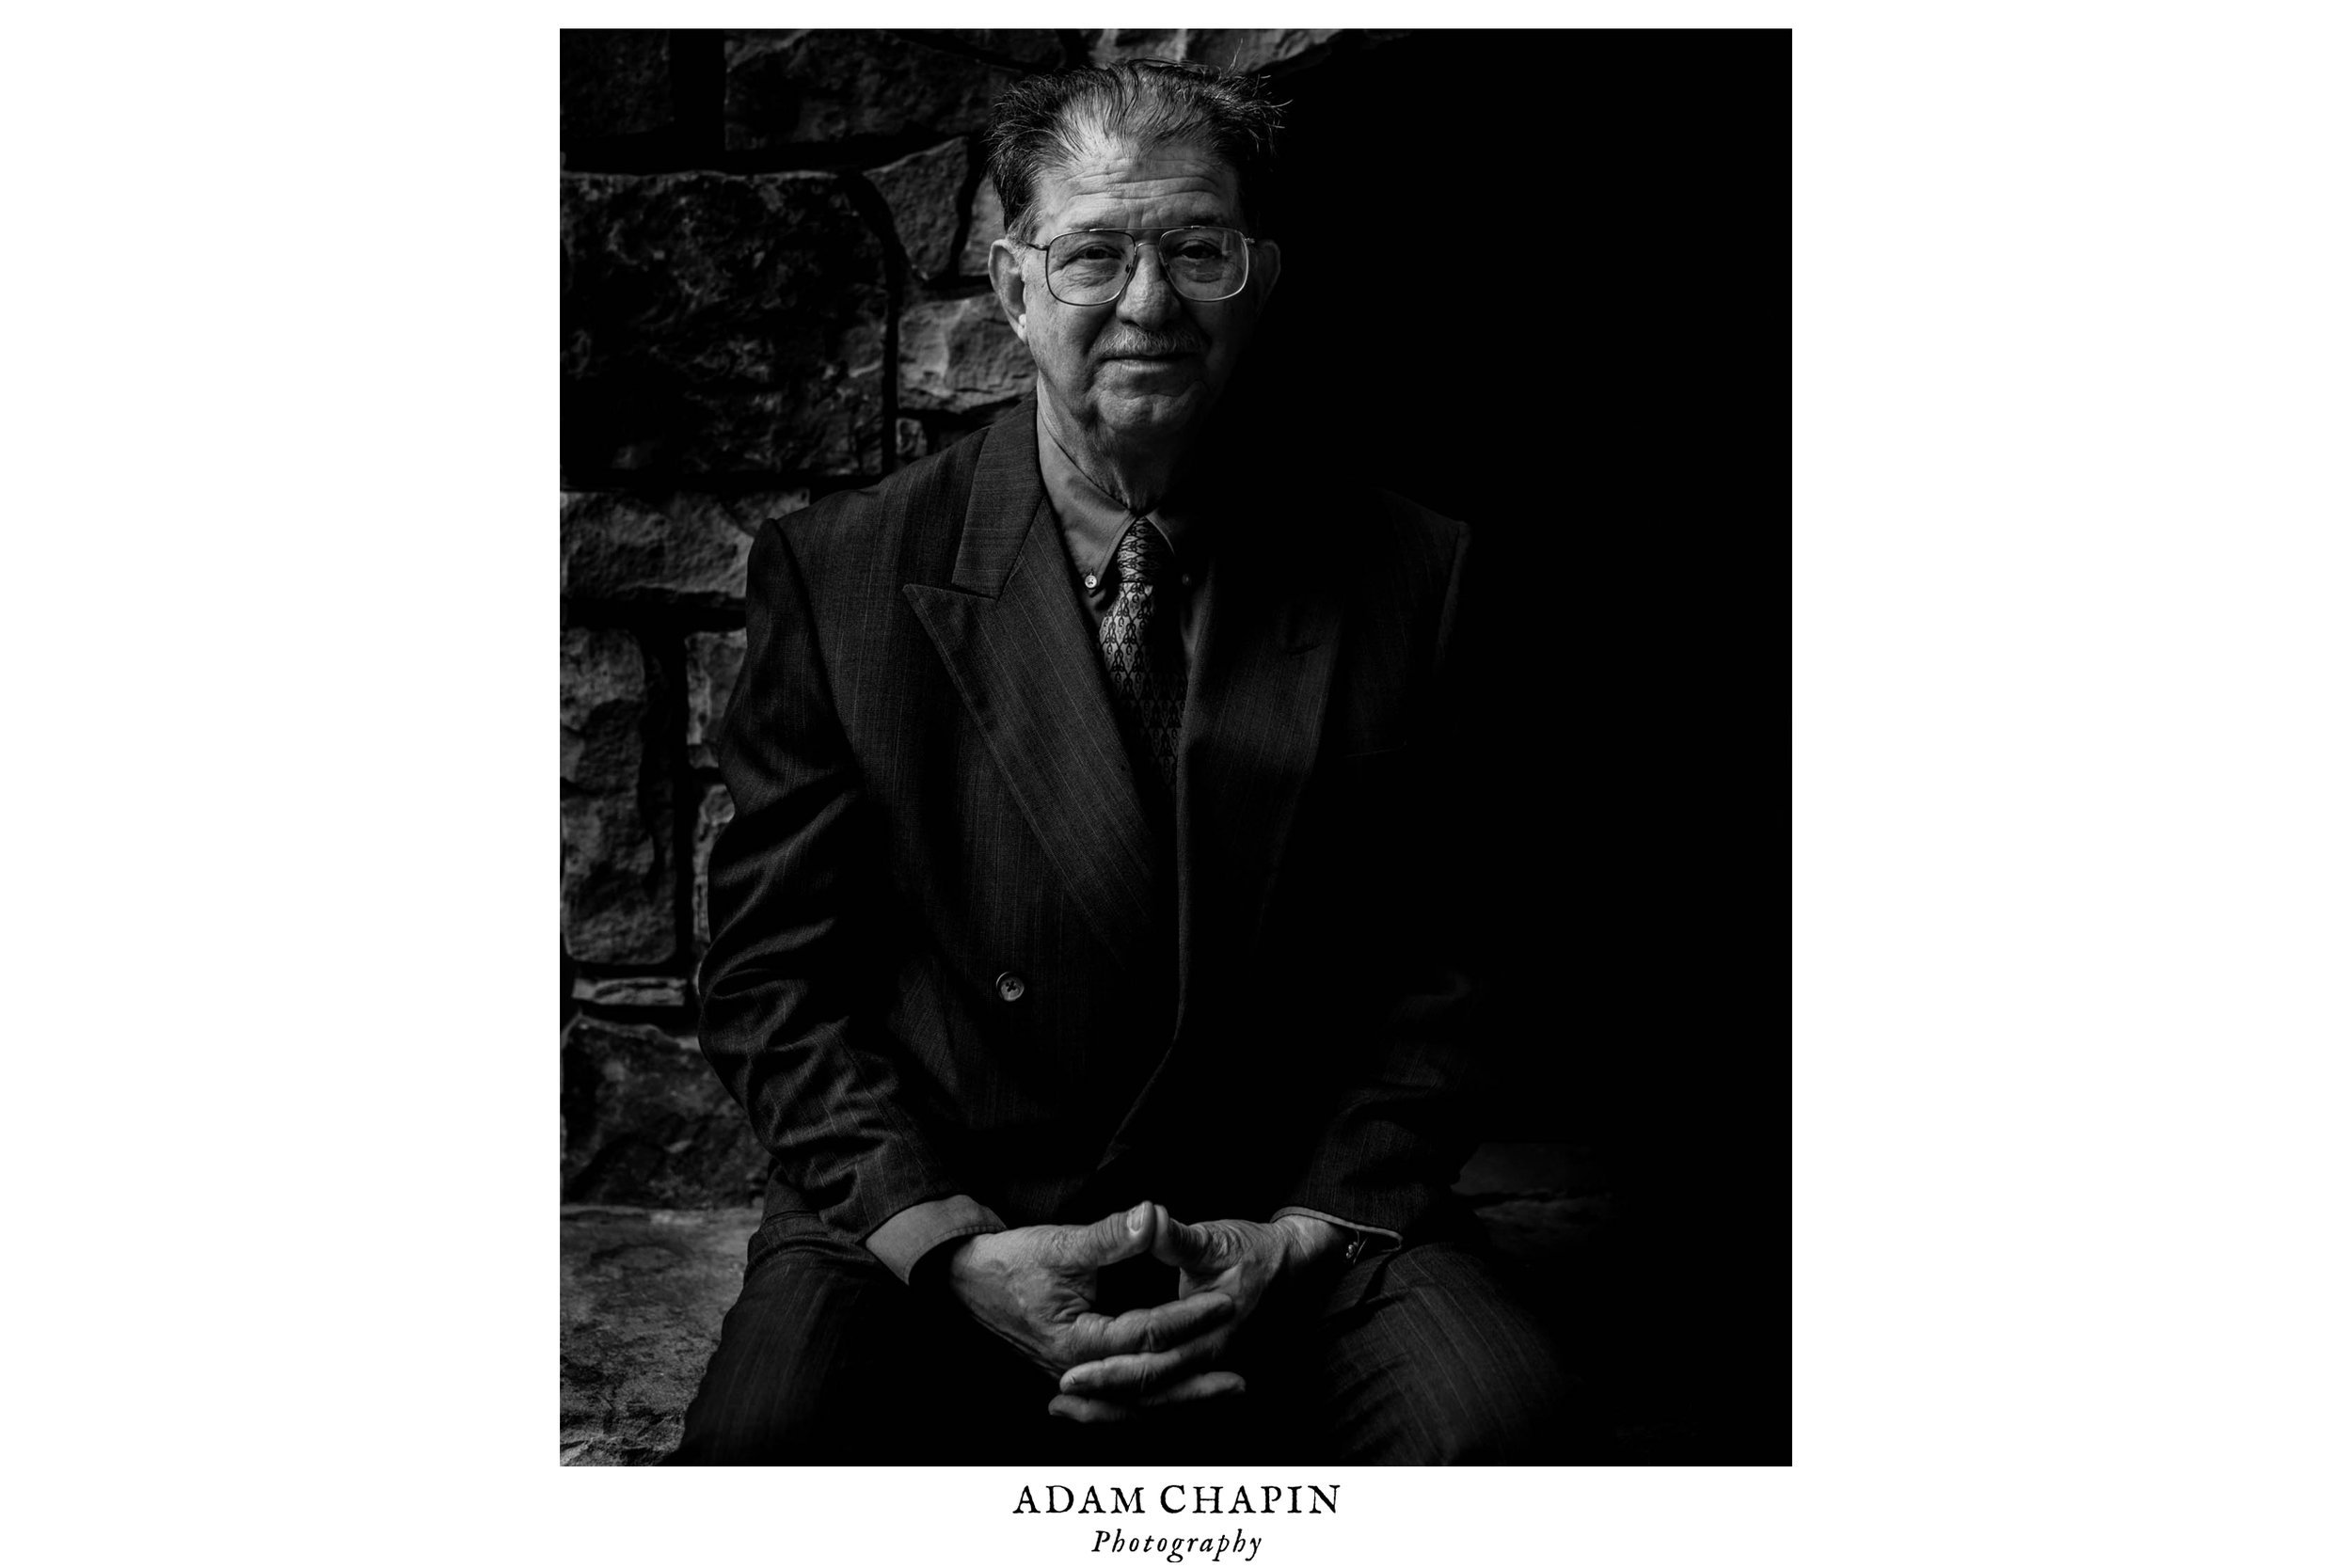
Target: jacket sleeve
{"points": [[1400, 1128], [795, 952]]}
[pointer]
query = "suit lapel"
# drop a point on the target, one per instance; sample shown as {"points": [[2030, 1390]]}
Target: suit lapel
{"points": [[1015, 644], [1253, 723]]}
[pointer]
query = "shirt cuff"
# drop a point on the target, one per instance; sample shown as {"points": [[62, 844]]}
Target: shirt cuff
{"points": [[902, 1240], [1362, 1239]]}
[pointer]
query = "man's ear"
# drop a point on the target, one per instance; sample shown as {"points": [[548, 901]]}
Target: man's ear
{"points": [[1004, 275], [1266, 268]]}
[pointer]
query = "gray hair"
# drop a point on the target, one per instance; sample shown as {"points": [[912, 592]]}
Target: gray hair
{"points": [[1048, 121]]}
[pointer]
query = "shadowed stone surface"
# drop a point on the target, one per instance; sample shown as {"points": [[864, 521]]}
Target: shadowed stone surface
{"points": [[684, 550], [717, 323], [643, 1292], [616, 898], [1112, 44], [646, 1121], [924, 192], [716, 812], [713, 660], [603, 703], [1034, 47], [634, 990], [1242, 49], [823, 85], [616, 82], [960, 354], [1248, 49], [988, 227]]}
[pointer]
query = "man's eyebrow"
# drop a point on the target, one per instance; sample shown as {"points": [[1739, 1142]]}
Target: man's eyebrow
{"points": [[1218, 220]]}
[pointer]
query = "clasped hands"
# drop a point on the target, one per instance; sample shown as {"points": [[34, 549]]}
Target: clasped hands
{"points": [[1035, 1288]]}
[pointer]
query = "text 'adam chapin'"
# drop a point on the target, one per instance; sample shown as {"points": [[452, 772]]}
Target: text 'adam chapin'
{"points": [[1173, 1499]]}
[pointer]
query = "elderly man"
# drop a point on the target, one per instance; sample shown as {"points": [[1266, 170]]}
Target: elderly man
{"points": [[1081, 938]]}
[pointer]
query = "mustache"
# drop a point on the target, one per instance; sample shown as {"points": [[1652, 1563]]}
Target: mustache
{"points": [[1153, 342]]}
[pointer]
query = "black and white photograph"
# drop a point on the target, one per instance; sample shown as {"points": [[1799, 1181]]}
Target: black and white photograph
{"points": [[1148, 868], [1504, 785]]}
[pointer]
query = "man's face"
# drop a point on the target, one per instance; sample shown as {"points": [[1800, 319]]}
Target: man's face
{"points": [[1144, 369]]}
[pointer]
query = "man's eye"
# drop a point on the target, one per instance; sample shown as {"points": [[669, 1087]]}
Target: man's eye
{"points": [[1096, 252], [1200, 250]]}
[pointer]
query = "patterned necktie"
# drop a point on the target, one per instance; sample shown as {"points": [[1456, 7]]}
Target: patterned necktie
{"points": [[1141, 646]]}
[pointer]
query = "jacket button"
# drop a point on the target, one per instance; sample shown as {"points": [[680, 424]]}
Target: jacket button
{"points": [[1010, 986]]}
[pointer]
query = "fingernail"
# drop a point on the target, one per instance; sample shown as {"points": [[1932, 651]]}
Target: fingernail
{"points": [[1137, 1216]]}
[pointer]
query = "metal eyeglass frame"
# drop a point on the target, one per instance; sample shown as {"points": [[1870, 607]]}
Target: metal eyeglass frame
{"points": [[1137, 237]]}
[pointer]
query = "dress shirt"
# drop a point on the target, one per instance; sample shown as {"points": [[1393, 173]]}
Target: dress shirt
{"points": [[1092, 524]]}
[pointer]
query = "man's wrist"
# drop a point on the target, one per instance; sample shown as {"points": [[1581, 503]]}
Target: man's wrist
{"points": [[913, 1233], [936, 1268], [1358, 1238], [1311, 1240]]}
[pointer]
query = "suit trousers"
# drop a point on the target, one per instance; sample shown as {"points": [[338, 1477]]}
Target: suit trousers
{"points": [[1422, 1355]]}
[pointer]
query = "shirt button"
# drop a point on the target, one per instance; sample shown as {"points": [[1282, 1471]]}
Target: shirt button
{"points": [[1010, 986], [1092, 579]]}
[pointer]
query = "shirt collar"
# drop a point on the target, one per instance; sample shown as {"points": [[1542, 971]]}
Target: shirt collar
{"points": [[1092, 523]]}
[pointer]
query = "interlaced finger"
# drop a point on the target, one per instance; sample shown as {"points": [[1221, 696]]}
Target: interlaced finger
{"points": [[1093, 1336], [1192, 1390], [1194, 1248], [1128, 1376]]}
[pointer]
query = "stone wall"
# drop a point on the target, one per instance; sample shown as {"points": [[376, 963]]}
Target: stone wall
{"points": [[774, 287]]}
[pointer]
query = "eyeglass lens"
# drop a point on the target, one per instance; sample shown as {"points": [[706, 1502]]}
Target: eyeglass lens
{"points": [[1092, 267]]}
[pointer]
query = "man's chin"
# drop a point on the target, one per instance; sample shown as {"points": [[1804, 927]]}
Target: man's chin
{"points": [[1143, 411]]}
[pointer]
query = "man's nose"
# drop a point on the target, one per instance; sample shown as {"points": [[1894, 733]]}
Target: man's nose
{"points": [[1148, 300]]}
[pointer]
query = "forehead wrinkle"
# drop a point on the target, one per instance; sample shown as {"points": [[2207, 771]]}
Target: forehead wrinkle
{"points": [[1115, 203], [1099, 182]]}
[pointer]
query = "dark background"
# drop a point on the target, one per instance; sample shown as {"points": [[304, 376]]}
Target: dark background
{"points": [[1545, 289]]}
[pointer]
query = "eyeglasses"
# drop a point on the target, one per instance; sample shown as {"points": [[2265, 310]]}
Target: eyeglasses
{"points": [[1093, 266]]}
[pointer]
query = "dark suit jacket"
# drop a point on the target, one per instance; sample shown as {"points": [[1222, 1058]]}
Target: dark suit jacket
{"points": [[956, 949]]}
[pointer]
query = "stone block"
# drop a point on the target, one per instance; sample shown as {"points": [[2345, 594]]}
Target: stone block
{"points": [[716, 812], [825, 84], [713, 659], [1113, 44], [616, 83], [645, 1120], [960, 354], [756, 510], [1034, 47], [924, 192], [643, 1291], [634, 990], [986, 228], [720, 322], [603, 707], [617, 903], [683, 549], [1256, 48], [1237, 49]]}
